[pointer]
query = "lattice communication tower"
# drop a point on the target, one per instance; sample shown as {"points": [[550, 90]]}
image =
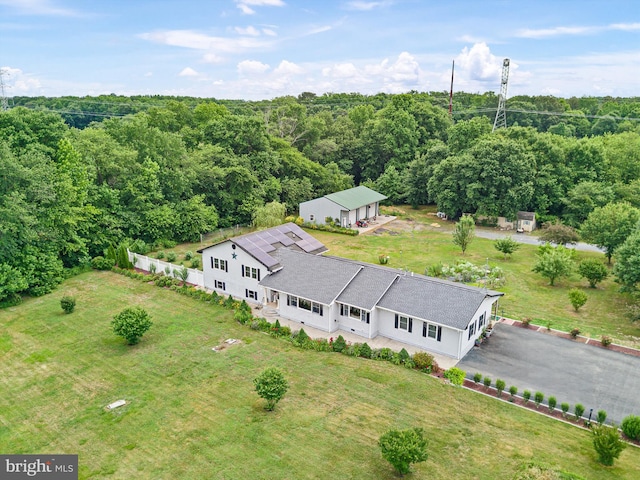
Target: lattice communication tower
{"points": [[4, 103], [501, 113]]}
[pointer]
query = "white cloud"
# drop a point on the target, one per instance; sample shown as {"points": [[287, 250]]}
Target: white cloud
{"points": [[148, 74], [288, 68], [316, 30], [39, 7], [625, 26], [252, 67], [250, 30], [18, 83], [269, 32], [188, 72], [212, 58], [479, 63], [245, 5], [367, 6], [553, 32]]}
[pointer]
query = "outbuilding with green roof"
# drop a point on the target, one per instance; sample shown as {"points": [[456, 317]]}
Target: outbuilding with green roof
{"points": [[346, 207]]}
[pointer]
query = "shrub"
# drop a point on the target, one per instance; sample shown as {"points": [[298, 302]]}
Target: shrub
{"points": [[383, 259], [271, 385], [577, 298], [300, 337], [455, 375], [434, 270], [500, 386], [339, 344], [285, 331], [487, 382], [564, 406], [385, 353], [526, 321], [423, 361], [404, 356], [365, 350], [188, 255], [139, 246], [68, 303], [401, 448], [631, 427], [578, 410], [101, 263], [526, 395], [552, 402], [513, 390], [160, 255], [538, 398], [152, 268], [477, 377], [195, 262], [606, 340], [602, 416], [131, 323], [171, 257], [607, 443], [574, 333]]}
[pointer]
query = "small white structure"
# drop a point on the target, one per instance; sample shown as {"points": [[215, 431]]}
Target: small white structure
{"points": [[348, 206], [524, 222]]}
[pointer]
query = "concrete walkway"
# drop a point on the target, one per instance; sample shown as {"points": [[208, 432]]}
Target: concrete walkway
{"points": [[571, 371], [377, 223], [379, 342]]}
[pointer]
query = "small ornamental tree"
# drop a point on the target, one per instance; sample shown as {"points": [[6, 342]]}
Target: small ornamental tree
{"points": [[506, 246], [131, 324], [271, 385], [538, 398], [500, 386], [578, 409], [68, 304], [559, 234], [554, 262], [339, 344], [608, 444], [552, 402], [464, 232], [593, 270], [577, 298], [401, 448]]}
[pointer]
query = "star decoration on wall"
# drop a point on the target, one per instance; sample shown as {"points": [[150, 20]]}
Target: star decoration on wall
{"points": [[234, 255]]}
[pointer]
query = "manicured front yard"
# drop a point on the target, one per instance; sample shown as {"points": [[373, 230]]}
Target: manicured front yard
{"points": [[192, 413]]}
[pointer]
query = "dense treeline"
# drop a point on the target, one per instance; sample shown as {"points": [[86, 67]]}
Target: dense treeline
{"points": [[156, 168]]}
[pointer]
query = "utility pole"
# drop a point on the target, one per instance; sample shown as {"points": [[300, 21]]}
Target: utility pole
{"points": [[501, 113], [453, 64], [4, 103]]}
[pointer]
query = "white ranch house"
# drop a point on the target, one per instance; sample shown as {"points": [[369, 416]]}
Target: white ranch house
{"points": [[282, 267], [347, 206]]}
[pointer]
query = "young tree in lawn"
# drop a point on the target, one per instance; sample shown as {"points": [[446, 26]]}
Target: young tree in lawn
{"points": [[554, 262], [559, 234], [593, 270], [271, 385], [464, 232], [401, 448], [609, 226], [131, 324], [506, 246], [577, 298], [608, 444]]}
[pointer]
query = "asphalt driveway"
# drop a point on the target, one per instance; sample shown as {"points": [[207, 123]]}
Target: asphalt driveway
{"points": [[572, 372]]}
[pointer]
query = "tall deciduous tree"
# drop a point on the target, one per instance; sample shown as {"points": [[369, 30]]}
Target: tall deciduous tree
{"points": [[269, 215], [593, 270], [464, 232], [627, 266], [609, 226], [554, 262]]}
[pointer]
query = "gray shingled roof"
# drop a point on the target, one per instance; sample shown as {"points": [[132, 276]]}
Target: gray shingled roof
{"points": [[368, 286], [263, 244], [313, 277], [439, 301], [324, 279]]}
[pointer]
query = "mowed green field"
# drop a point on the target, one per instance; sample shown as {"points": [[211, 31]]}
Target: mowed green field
{"points": [[415, 245], [193, 414]]}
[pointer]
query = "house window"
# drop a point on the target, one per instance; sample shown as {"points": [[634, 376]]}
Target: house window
{"points": [[292, 301], [219, 285], [316, 308], [304, 304], [219, 264], [404, 323], [366, 317], [432, 331], [472, 330], [354, 312], [481, 321], [251, 294], [251, 272]]}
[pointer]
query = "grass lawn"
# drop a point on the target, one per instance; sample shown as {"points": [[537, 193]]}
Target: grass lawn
{"points": [[527, 294], [192, 413]]}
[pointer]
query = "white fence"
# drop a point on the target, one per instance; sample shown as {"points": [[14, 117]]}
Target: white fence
{"points": [[196, 277]]}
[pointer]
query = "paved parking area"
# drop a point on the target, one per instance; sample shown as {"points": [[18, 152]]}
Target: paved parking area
{"points": [[572, 372]]}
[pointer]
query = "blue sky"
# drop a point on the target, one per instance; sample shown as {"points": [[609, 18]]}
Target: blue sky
{"points": [[261, 49]]}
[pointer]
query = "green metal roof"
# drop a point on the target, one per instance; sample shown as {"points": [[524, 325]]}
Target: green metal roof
{"points": [[355, 197]]}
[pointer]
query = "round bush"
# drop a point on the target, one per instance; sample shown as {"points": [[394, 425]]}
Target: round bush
{"points": [[631, 427], [101, 263], [68, 304], [131, 324], [171, 257], [423, 361]]}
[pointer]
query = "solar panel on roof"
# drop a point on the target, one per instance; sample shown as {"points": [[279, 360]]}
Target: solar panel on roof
{"points": [[270, 248], [287, 242]]}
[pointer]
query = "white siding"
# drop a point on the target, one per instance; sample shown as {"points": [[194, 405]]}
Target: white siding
{"points": [[235, 283], [306, 317], [467, 343], [449, 337], [319, 209]]}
